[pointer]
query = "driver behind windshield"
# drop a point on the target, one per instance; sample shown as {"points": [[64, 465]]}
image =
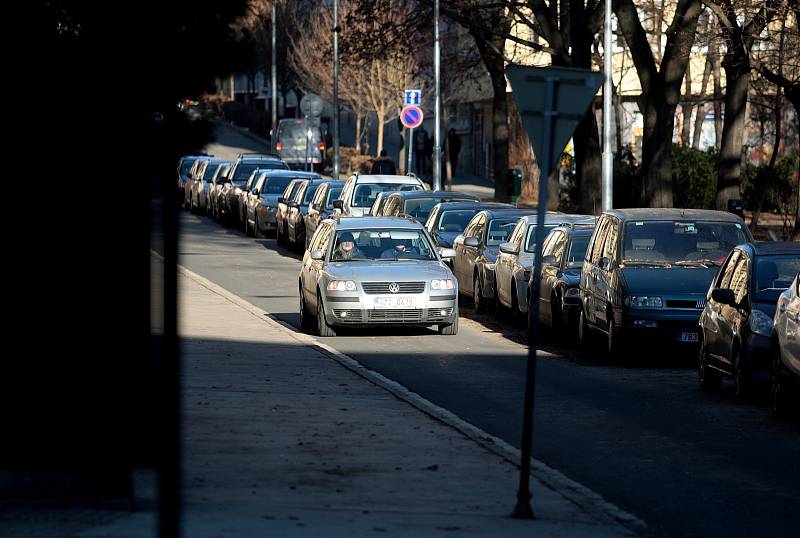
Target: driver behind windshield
{"points": [[346, 249], [401, 249]]}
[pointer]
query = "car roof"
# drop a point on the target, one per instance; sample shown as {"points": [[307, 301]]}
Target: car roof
{"points": [[447, 206], [668, 213], [551, 217], [444, 195], [359, 223], [259, 158], [507, 212], [772, 248], [293, 174], [368, 178]]}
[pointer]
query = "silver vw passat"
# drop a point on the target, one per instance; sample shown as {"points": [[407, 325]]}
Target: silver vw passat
{"points": [[362, 272]]}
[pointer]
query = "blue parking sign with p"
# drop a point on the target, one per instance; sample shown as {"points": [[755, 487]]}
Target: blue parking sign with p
{"points": [[412, 97]]}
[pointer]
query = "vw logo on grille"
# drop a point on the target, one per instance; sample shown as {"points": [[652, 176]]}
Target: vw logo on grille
{"points": [[394, 287]]}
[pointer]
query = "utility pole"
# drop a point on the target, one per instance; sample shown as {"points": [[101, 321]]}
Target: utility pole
{"points": [[274, 127], [336, 89], [437, 142], [608, 155]]}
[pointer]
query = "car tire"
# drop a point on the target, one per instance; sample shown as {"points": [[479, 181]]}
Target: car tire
{"points": [[305, 315], [584, 332], [323, 329], [478, 300], [742, 383], [612, 344], [256, 230], [708, 378], [452, 328]]}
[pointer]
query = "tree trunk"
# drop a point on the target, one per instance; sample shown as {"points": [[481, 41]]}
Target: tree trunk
{"points": [[737, 76], [686, 109], [381, 116], [588, 164], [659, 124], [496, 67], [715, 63], [701, 107], [358, 133]]}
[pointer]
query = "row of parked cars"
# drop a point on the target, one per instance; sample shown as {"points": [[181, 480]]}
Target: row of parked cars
{"points": [[382, 249]]}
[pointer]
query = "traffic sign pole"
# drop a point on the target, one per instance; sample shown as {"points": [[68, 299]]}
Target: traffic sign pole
{"points": [[410, 148], [437, 140]]}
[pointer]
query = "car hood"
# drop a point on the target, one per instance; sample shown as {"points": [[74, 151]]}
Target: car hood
{"points": [[270, 199], [668, 281], [446, 238], [383, 271]]}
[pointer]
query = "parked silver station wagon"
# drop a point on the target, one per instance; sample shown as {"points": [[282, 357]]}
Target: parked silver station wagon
{"points": [[371, 271]]}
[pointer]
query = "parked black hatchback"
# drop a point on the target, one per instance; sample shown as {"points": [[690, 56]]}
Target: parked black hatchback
{"points": [[736, 323], [647, 272]]}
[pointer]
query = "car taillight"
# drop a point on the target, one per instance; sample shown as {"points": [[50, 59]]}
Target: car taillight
{"points": [[322, 146], [278, 146]]}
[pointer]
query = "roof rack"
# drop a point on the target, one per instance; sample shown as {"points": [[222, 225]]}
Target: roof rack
{"points": [[271, 155]]}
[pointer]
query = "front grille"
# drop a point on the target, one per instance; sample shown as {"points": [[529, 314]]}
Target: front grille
{"points": [[395, 316], [435, 314], [347, 316], [684, 303], [375, 288]]}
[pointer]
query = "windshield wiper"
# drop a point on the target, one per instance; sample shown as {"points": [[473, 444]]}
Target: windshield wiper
{"points": [[646, 262], [704, 263]]}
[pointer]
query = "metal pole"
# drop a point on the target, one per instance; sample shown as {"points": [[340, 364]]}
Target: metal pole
{"points": [[308, 140], [523, 508], [608, 155], [335, 89], [437, 145], [274, 126], [410, 149]]}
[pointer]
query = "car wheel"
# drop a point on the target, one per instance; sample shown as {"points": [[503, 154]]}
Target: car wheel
{"points": [[452, 328], [323, 329], [741, 377], [612, 346], [477, 295], [556, 315], [305, 315], [256, 230], [708, 378]]}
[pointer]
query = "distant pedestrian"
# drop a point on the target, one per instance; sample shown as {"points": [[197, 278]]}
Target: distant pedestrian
{"points": [[454, 144], [384, 165]]}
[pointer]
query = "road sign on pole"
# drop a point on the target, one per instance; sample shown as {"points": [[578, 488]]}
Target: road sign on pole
{"points": [[412, 97], [411, 116], [552, 101]]}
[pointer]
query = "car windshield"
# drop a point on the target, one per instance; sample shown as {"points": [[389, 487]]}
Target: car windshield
{"points": [[276, 185], [773, 275], [499, 230], [309, 194], [186, 165], [365, 193], [211, 169], [577, 251], [455, 221], [382, 244], [244, 170], [681, 242], [530, 240], [333, 194]]}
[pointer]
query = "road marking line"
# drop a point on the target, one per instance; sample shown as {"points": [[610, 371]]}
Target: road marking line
{"points": [[587, 499]]}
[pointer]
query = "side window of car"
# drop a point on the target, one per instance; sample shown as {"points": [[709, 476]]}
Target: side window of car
{"points": [[325, 239], [741, 278], [611, 241], [594, 255], [319, 196], [726, 273], [559, 246], [260, 183], [480, 225], [298, 196]]}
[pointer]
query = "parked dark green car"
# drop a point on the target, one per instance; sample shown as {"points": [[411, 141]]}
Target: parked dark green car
{"points": [[647, 272]]}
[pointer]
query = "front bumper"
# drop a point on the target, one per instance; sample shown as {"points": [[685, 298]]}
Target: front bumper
{"points": [[357, 308], [667, 326]]}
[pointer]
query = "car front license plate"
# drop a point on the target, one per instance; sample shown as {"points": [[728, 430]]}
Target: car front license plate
{"points": [[688, 337], [395, 302]]}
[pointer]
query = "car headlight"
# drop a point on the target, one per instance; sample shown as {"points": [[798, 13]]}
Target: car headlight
{"points": [[572, 293], [341, 285], [760, 323], [643, 301], [443, 284]]}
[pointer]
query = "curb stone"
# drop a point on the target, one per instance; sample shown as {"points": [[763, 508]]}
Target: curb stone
{"points": [[580, 495]]}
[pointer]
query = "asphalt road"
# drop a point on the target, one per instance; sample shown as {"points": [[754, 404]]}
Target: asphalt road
{"points": [[643, 436]]}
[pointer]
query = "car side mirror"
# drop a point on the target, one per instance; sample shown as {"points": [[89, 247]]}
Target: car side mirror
{"points": [[317, 255], [472, 242], [508, 248], [723, 296], [448, 253], [338, 204], [550, 260], [281, 200]]}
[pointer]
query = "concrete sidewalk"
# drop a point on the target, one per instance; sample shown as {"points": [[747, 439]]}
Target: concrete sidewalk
{"points": [[282, 440]]}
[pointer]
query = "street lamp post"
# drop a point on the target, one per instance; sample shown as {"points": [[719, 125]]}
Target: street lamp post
{"points": [[336, 30], [274, 127], [437, 142], [608, 155]]}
